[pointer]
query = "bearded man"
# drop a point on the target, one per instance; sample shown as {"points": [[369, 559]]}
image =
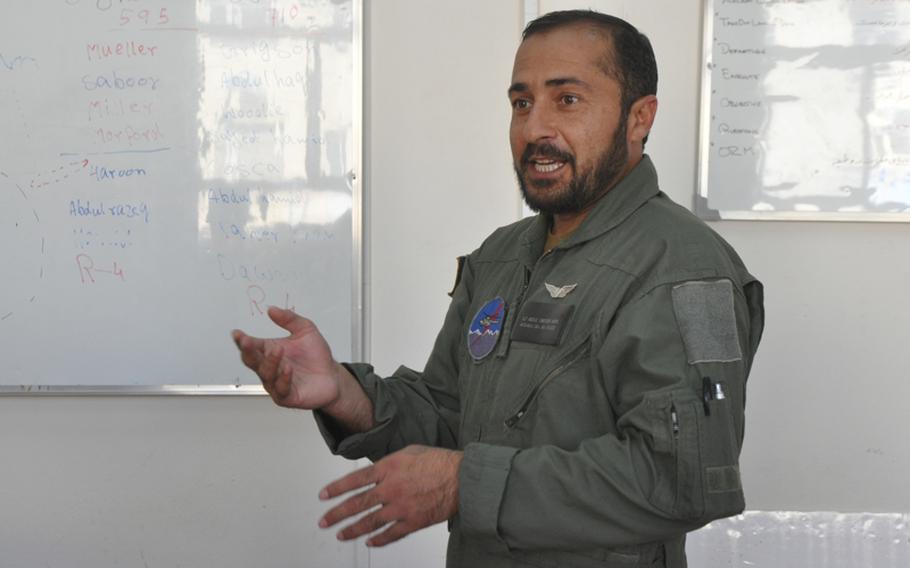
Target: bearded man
{"points": [[584, 401]]}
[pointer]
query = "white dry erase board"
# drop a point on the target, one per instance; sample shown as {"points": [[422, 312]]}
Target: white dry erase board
{"points": [[806, 110], [168, 169]]}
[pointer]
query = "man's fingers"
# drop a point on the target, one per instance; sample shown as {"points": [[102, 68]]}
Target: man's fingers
{"points": [[355, 480], [289, 320], [268, 366], [251, 349], [368, 524], [249, 343], [250, 359], [246, 342], [282, 384], [395, 532], [414, 488], [363, 501]]}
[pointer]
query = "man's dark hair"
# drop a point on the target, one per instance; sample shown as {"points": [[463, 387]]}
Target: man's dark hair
{"points": [[631, 61]]}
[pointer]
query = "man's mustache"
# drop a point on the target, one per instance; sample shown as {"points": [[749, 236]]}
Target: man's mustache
{"points": [[546, 151]]}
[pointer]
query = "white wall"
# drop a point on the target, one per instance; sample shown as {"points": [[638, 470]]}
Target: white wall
{"points": [[162, 481], [439, 176], [231, 482]]}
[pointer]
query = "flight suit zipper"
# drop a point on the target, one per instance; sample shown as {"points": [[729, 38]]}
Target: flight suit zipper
{"points": [[577, 353], [674, 421], [516, 309]]}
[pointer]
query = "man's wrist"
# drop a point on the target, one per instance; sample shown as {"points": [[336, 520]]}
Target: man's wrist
{"points": [[352, 409], [455, 459]]}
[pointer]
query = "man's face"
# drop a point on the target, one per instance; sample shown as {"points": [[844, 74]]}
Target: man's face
{"points": [[568, 132]]}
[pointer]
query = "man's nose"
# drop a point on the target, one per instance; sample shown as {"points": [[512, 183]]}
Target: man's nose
{"points": [[540, 124]]}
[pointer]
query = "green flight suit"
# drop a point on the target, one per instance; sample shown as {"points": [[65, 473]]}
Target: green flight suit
{"points": [[604, 435]]}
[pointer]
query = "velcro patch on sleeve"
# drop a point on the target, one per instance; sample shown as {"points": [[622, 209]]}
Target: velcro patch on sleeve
{"points": [[707, 321], [723, 479]]}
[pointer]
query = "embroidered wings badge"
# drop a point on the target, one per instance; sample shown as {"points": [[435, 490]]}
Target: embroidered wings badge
{"points": [[557, 292]]}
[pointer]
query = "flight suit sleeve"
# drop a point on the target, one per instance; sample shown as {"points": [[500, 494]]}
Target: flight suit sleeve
{"points": [[675, 363], [410, 407]]}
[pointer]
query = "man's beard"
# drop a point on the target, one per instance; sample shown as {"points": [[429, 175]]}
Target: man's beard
{"points": [[585, 187]]}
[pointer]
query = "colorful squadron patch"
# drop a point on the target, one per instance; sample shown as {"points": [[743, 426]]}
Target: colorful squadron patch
{"points": [[483, 335]]}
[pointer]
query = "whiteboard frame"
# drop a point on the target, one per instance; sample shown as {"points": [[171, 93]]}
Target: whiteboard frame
{"points": [[357, 286], [704, 151]]}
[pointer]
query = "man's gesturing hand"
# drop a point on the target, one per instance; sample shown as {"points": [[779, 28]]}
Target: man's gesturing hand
{"points": [[297, 371], [413, 488]]}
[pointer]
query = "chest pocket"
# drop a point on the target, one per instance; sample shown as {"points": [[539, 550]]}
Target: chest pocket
{"points": [[574, 357], [565, 404]]}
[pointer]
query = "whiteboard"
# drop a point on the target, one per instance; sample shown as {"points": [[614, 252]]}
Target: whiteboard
{"points": [[806, 110], [168, 169]]}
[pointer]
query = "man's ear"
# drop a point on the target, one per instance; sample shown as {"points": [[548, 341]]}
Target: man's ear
{"points": [[641, 118]]}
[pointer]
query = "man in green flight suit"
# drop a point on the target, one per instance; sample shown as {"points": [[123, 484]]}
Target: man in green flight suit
{"points": [[583, 404]]}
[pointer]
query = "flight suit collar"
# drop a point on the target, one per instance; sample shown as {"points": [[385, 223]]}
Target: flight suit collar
{"points": [[614, 207], [533, 240]]}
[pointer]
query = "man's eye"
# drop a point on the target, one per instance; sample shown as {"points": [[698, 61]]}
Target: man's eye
{"points": [[569, 99], [521, 104]]}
